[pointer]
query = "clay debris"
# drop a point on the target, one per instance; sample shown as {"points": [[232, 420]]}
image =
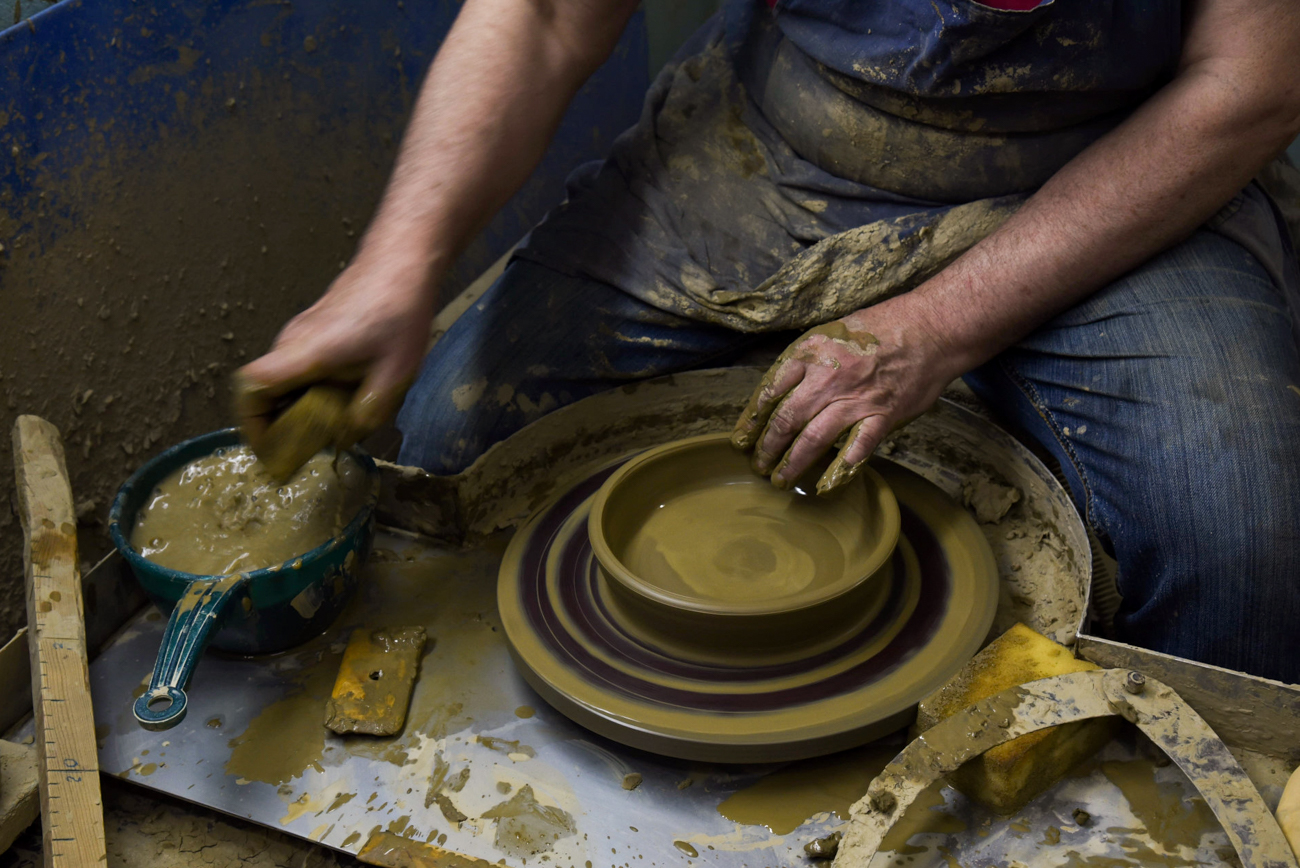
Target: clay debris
{"points": [[990, 500], [526, 827]]}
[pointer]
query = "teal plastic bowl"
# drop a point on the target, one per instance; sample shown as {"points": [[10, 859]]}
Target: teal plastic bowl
{"points": [[256, 612]]}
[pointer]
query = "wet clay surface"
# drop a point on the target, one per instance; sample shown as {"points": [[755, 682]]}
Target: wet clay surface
{"points": [[785, 799], [743, 542], [525, 827], [224, 513], [860, 688], [692, 521], [1173, 818], [288, 737]]}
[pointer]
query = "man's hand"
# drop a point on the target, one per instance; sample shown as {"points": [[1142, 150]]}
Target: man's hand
{"points": [[487, 109], [370, 328], [865, 374], [1146, 185]]}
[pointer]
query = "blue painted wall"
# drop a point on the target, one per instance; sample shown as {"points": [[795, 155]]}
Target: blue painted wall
{"points": [[96, 85], [179, 177]]}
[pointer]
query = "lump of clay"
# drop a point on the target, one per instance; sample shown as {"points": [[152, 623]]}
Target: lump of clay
{"points": [[224, 513], [990, 500]]}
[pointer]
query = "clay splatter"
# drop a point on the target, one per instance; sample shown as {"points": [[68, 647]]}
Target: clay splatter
{"points": [[785, 799], [525, 827], [686, 848]]}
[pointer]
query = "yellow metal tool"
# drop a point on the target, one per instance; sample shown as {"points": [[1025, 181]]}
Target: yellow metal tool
{"points": [[375, 681]]}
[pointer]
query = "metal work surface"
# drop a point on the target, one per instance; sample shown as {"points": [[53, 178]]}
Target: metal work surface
{"points": [[253, 744], [1247, 711]]}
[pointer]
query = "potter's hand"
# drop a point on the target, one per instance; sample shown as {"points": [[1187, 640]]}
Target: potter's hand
{"points": [[865, 374], [371, 329]]}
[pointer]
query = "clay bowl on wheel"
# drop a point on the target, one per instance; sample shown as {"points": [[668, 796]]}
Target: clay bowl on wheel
{"points": [[255, 612], [702, 554]]}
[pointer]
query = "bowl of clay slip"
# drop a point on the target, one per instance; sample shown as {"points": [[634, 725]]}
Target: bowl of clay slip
{"points": [[704, 557], [243, 609]]}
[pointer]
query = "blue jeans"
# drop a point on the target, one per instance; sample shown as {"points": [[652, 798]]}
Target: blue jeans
{"points": [[1171, 399]]}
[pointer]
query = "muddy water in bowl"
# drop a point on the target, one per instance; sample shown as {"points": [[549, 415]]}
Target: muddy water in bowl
{"points": [[701, 553], [744, 541], [223, 513], [195, 509]]}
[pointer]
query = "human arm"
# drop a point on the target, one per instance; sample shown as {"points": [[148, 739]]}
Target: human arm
{"points": [[1233, 105], [491, 102]]}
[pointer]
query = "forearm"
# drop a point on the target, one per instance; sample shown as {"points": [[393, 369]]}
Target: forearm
{"points": [[490, 104], [1138, 190]]}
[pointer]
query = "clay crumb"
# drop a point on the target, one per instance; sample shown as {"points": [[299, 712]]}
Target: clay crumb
{"points": [[824, 848], [681, 785], [1082, 817], [448, 808], [989, 500], [687, 848], [632, 780]]}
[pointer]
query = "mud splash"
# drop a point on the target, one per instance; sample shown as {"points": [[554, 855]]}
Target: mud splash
{"points": [[527, 828], [1168, 815], [784, 800], [288, 737]]}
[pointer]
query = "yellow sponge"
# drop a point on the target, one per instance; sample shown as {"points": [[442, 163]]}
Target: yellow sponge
{"points": [[1007, 777], [312, 422]]}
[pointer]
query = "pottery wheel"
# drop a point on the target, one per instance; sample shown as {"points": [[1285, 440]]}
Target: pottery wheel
{"points": [[933, 611]]}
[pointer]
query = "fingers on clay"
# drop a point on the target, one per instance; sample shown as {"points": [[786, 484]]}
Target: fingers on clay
{"points": [[813, 441], [782, 427], [853, 455], [779, 380]]}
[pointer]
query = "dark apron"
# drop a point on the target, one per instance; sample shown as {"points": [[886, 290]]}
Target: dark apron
{"points": [[795, 165]]}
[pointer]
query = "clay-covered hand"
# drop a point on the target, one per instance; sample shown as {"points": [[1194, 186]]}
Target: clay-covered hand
{"points": [[370, 328], [858, 377]]}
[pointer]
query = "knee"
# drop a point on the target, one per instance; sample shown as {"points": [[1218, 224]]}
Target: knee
{"points": [[449, 420], [1209, 566]]}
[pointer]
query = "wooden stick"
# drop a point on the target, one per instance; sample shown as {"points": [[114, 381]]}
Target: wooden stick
{"points": [[65, 723]]}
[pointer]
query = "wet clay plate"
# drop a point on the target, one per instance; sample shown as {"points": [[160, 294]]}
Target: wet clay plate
{"points": [[931, 611]]}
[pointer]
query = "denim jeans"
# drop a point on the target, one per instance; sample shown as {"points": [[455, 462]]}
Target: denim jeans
{"points": [[1171, 399]]}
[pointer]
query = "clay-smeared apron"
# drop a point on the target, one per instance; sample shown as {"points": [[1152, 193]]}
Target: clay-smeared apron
{"points": [[797, 164]]}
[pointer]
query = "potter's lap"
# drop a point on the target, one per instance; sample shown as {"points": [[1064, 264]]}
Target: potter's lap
{"points": [[1170, 400]]}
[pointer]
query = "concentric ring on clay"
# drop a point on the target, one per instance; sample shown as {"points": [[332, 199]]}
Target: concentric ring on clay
{"points": [[598, 669]]}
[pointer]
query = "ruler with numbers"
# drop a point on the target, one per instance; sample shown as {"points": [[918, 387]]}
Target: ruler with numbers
{"points": [[71, 810]]}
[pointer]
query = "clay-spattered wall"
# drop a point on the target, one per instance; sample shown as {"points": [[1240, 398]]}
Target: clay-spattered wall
{"points": [[179, 178]]}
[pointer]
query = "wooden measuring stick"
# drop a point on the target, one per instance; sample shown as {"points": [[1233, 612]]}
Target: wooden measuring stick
{"points": [[65, 724]]}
